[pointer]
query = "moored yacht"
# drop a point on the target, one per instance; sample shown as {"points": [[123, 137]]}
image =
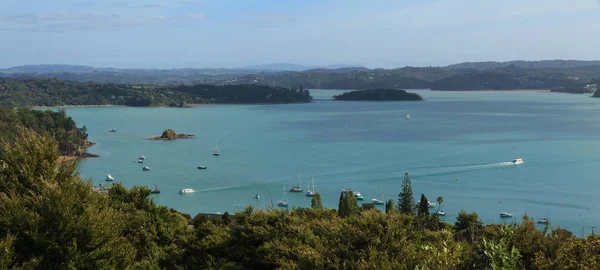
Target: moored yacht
{"points": [[311, 193], [505, 214], [140, 161], [440, 213], [431, 204], [297, 188], [141, 157], [146, 168], [358, 196], [379, 201], [156, 190], [202, 167], [216, 153], [109, 177], [113, 130]]}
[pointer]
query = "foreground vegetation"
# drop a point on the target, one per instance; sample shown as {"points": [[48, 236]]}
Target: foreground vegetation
{"points": [[54, 92], [51, 219]]}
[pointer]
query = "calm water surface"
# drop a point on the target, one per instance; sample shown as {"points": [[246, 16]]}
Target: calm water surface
{"points": [[364, 145]]}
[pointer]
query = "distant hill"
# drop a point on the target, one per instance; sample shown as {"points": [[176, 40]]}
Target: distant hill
{"points": [[544, 64], [294, 67], [48, 69], [559, 75]]}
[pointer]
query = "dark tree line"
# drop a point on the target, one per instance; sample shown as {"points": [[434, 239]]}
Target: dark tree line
{"points": [[53, 92]]}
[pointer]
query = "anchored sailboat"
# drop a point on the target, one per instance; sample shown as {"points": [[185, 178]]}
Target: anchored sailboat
{"points": [[297, 188], [284, 202], [216, 152], [311, 193], [379, 201]]}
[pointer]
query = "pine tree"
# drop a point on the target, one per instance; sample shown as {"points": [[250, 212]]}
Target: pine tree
{"points": [[316, 201], [342, 207], [440, 200], [389, 206], [423, 210], [406, 202], [348, 204]]}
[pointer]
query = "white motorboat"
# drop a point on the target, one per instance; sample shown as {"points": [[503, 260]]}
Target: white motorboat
{"points": [[146, 168], [109, 177], [408, 116], [543, 221], [358, 196], [202, 167], [140, 161], [431, 204], [113, 130], [257, 196], [186, 191], [440, 213], [517, 161], [141, 157], [505, 215], [282, 204]]}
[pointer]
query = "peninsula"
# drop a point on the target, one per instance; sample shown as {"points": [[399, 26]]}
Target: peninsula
{"points": [[53, 92], [379, 95]]}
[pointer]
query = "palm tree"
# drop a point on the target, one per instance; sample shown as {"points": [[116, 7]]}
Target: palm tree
{"points": [[440, 200]]}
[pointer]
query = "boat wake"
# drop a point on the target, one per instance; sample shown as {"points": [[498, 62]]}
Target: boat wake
{"points": [[442, 170]]}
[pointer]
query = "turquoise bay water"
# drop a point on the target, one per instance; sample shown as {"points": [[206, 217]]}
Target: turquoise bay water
{"points": [[361, 145]]}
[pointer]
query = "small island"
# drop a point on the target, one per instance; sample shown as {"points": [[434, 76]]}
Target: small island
{"points": [[169, 135], [379, 95]]}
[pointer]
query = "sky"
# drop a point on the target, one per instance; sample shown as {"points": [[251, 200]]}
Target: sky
{"points": [[238, 33]]}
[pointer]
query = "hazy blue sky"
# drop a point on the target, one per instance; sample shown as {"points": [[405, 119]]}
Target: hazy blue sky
{"points": [[233, 33]]}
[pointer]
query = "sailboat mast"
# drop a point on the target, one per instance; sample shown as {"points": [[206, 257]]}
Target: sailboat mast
{"points": [[313, 184]]}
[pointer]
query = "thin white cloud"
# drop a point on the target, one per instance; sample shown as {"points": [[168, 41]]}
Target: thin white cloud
{"points": [[198, 16], [268, 19], [63, 22], [458, 12]]}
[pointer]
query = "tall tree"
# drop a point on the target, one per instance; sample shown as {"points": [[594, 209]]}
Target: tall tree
{"points": [[423, 210], [440, 200], [342, 206], [315, 202], [406, 202], [348, 204], [389, 206]]}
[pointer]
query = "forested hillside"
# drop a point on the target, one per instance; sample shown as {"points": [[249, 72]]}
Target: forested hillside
{"points": [[54, 92], [71, 140], [560, 75]]}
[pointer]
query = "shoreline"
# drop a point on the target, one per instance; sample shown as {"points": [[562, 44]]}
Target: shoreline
{"points": [[514, 91], [63, 159], [75, 106]]}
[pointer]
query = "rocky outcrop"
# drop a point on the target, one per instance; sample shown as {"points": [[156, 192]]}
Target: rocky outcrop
{"points": [[169, 135]]}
